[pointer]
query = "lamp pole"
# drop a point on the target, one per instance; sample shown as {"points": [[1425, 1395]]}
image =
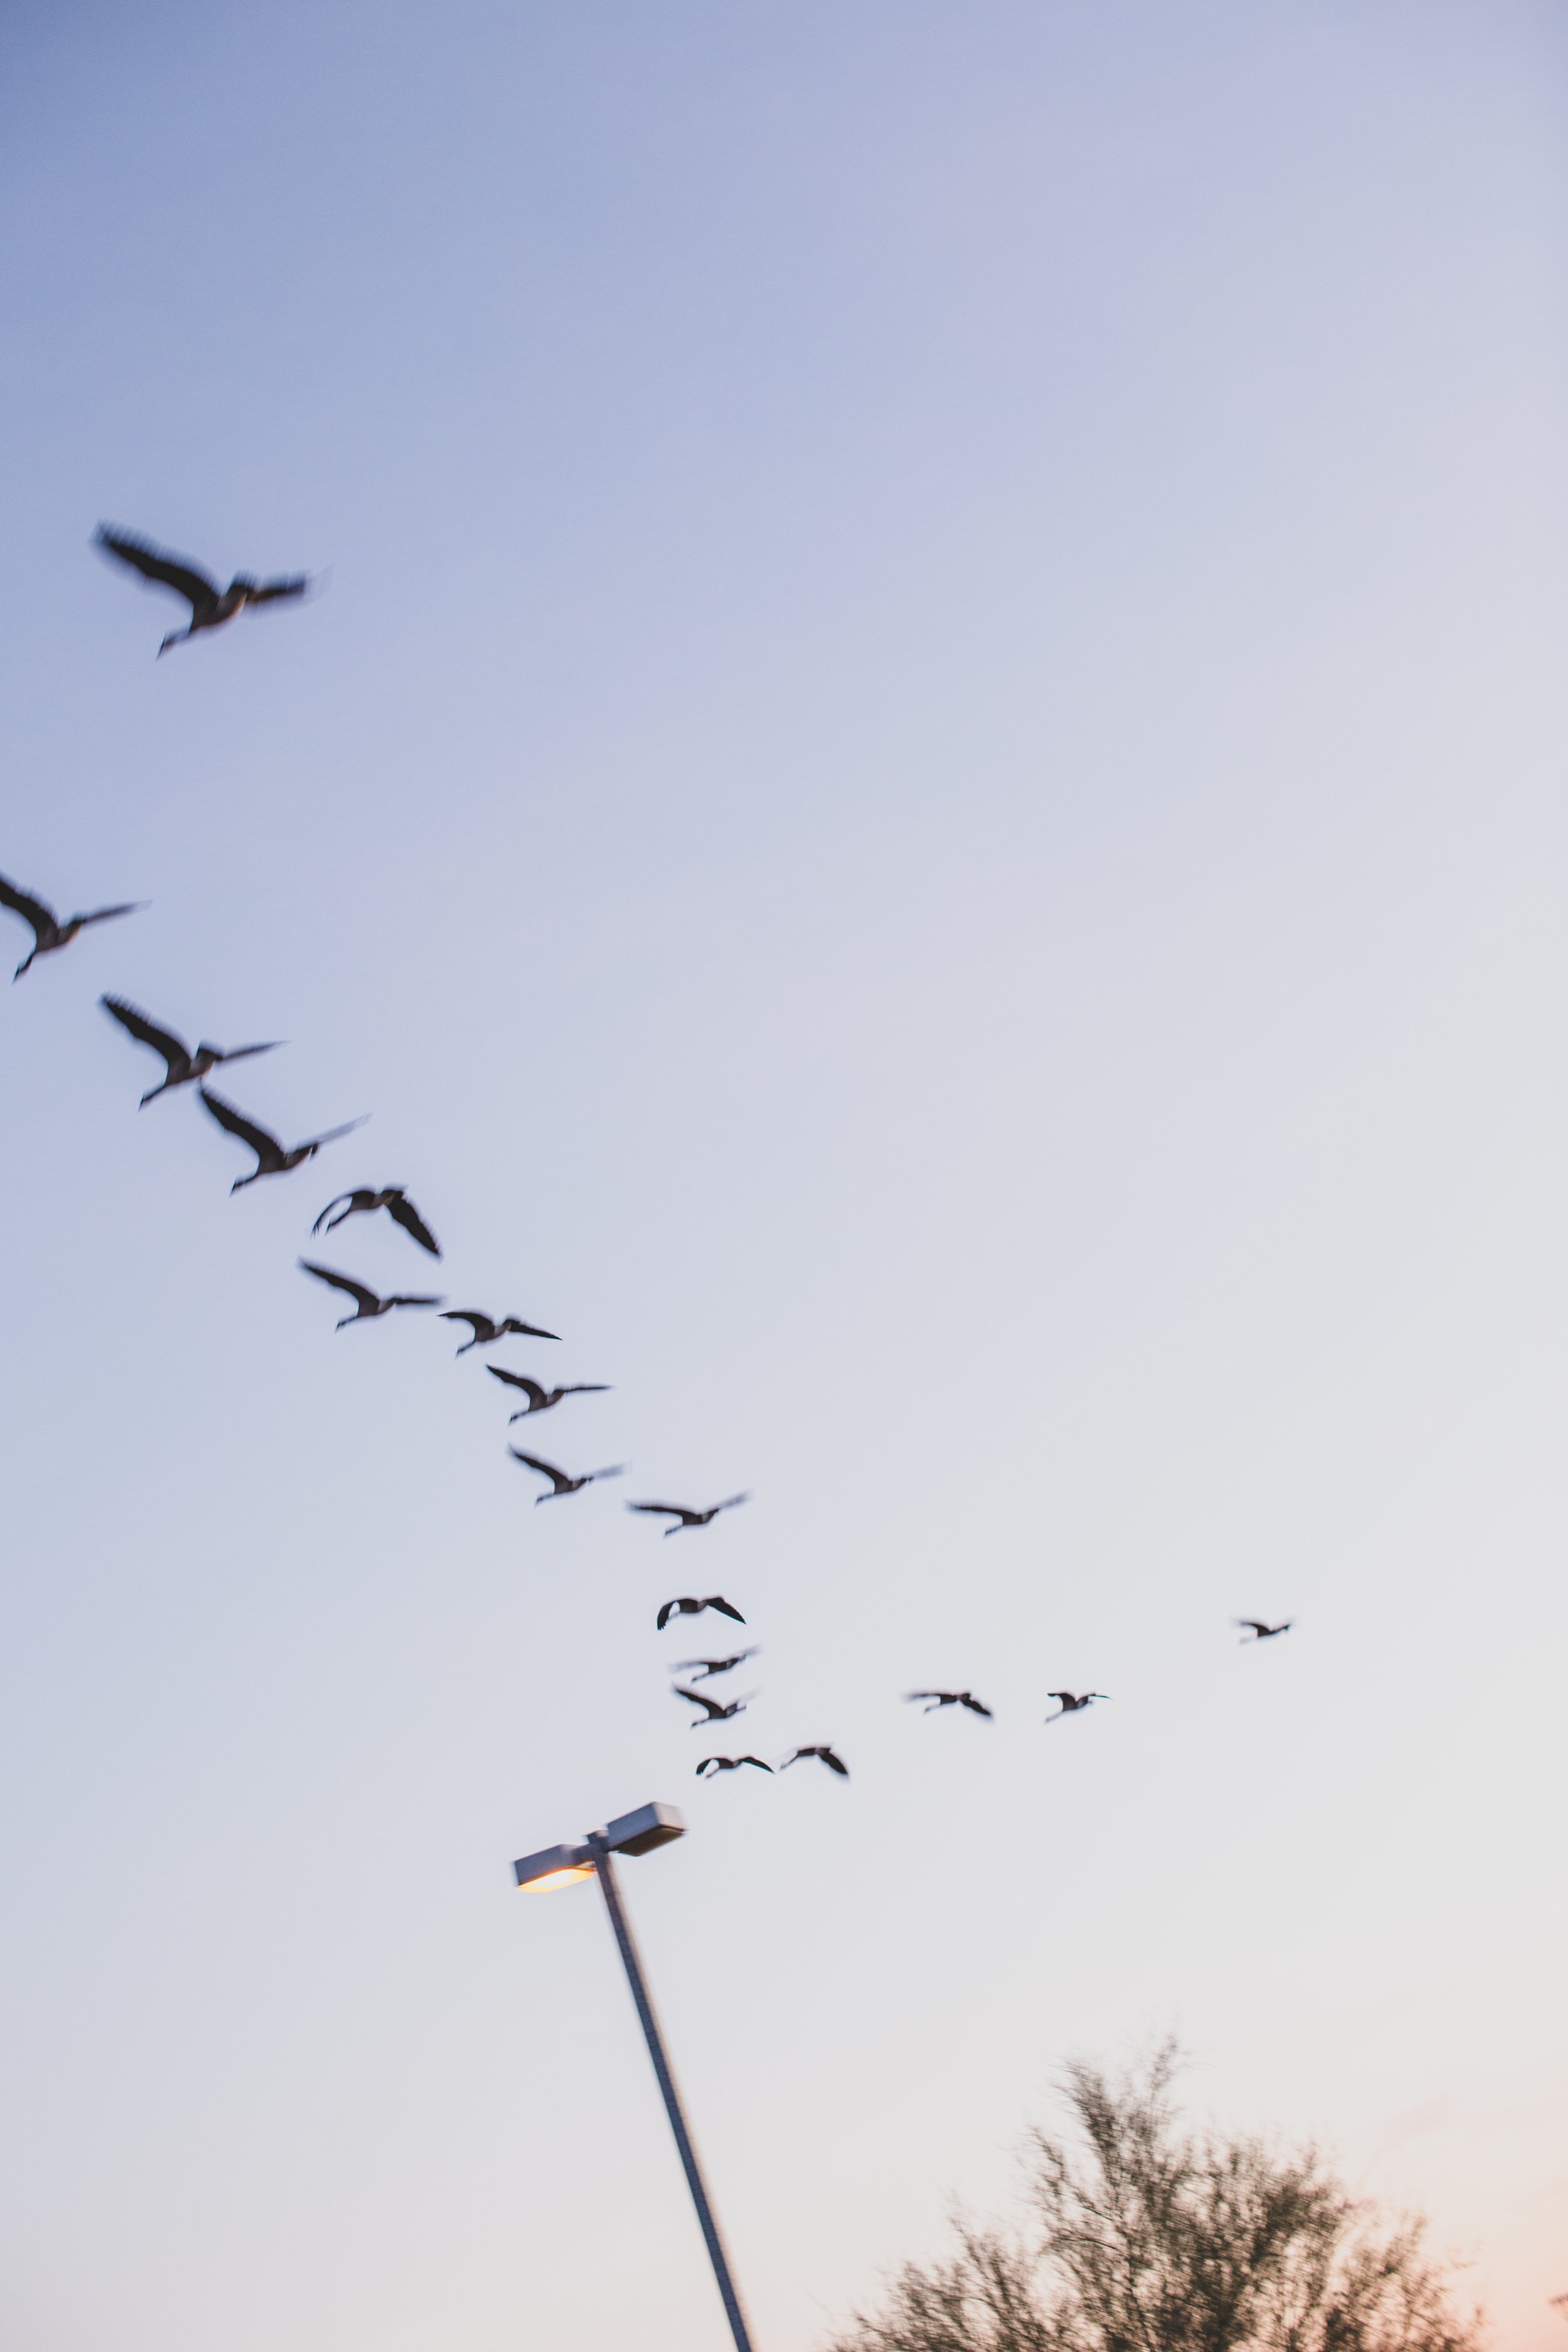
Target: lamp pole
{"points": [[604, 1871]]}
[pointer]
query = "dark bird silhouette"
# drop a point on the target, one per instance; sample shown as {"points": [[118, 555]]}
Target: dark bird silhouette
{"points": [[183, 1068], [560, 1481], [711, 1765], [540, 1400], [48, 932], [1260, 1631], [689, 1608], [398, 1207], [487, 1330], [210, 606], [370, 1305], [685, 1518], [715, 1713], [702, 1669], [834, 1763], [271, 1160], [1069, 1705], [951, 1698]]}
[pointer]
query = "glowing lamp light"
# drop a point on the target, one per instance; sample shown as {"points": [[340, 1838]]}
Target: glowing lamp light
{"points": [[557, 1865]]}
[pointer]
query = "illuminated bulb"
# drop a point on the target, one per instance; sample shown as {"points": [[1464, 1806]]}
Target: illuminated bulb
{"points": [[556, 1878]]}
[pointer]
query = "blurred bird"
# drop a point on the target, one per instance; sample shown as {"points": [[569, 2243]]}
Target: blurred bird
{"points": [[1069, 1705], [951, 1698], [48, 932], [370, 1306], [271, 1160], [487, 1330], [210, 606], [702, 1669], [183, 1068], [540, 1400], [560, 1481], [1260, 1632], [715, 1713], [689, 1608], [833, 1762], [710, 1765], [689, 1518], [393, 1199]]}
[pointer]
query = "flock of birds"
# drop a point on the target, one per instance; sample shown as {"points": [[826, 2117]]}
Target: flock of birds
{"points": [[213, 607]]}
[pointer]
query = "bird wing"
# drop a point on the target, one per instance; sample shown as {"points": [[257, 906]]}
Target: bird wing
{"points": [[403, 1212], [975, 1707], [314, 1142], [716, 1601], [585, 1388], [834, 1763], [525, 1330], [266, 1148], [669, 1510], [176, 571], [756, 1760], [367, 1298], [731, 1500], [1254, 1623], [147, 1033], [928, 1694], [716, 1714], [267, 592], [560, 1480], [32, 910], [356, 1200], [531, 1388], [481, 1325], [415, 1298], [687, 1608], [616, 1470], [107, 914]]}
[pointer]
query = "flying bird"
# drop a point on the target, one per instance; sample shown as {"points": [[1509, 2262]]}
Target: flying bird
{"points": [[48, 931], [702, 1669], [210, 606], [540, 1400], [685, 1518], [950, 1698], [370, 1306], [834, 1763], [183, 1068], [398, 1207], [689, 1608], [560, 1481], [487, 1331], [271, 1160], [1260, 1632], [715, 1714], [1069, 1705], [712, 1765]]}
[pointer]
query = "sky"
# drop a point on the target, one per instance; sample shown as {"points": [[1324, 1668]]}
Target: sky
{"points": [[925, 800]]}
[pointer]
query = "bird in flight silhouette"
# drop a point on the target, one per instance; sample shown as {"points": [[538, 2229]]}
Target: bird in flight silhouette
{"points": [[688, 1519], [560, 1481], [950, 1698], [1260, 1631], [702, 1669], [210, 606], [48, 932], [271, 1160], [182, 1068], [1069, 1705], [715, 1713], [370, 1305], [712, 1766], [487, 1330], [540, 1400], [691, 1608], [364, 1202], [834, 1763]]}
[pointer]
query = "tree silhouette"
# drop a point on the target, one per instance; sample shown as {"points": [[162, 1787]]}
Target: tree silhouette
{"points": [[1152, 2240]]}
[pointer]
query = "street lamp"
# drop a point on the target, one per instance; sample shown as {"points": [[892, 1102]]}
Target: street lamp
{"points": [[566, 1865]]}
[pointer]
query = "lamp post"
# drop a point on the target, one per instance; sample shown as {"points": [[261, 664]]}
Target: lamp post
{"points": [[567, 1865]]}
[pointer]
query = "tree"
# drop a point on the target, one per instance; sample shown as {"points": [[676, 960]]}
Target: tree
{"points": [[1149, 2239]]}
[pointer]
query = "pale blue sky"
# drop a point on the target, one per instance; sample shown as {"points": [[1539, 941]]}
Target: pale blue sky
{"points": [[926, 801]]}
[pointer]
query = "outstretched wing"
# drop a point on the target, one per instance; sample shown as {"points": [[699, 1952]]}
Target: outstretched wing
{"points": [[974, 1706], [834, 1763], [359, 1199], [666, 1510], [367, 1298], [147, 1033], [266, 1148], [415, 1298], [716, 1714], [559, 1479], [314, 1142], [176, 571], [928, 1694], [531, 1388], [731, 1500], [107, 914], [687, 1608], [716, 1601], [32, 910], [477, 1324], [403, 1212], [267, 591]]}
